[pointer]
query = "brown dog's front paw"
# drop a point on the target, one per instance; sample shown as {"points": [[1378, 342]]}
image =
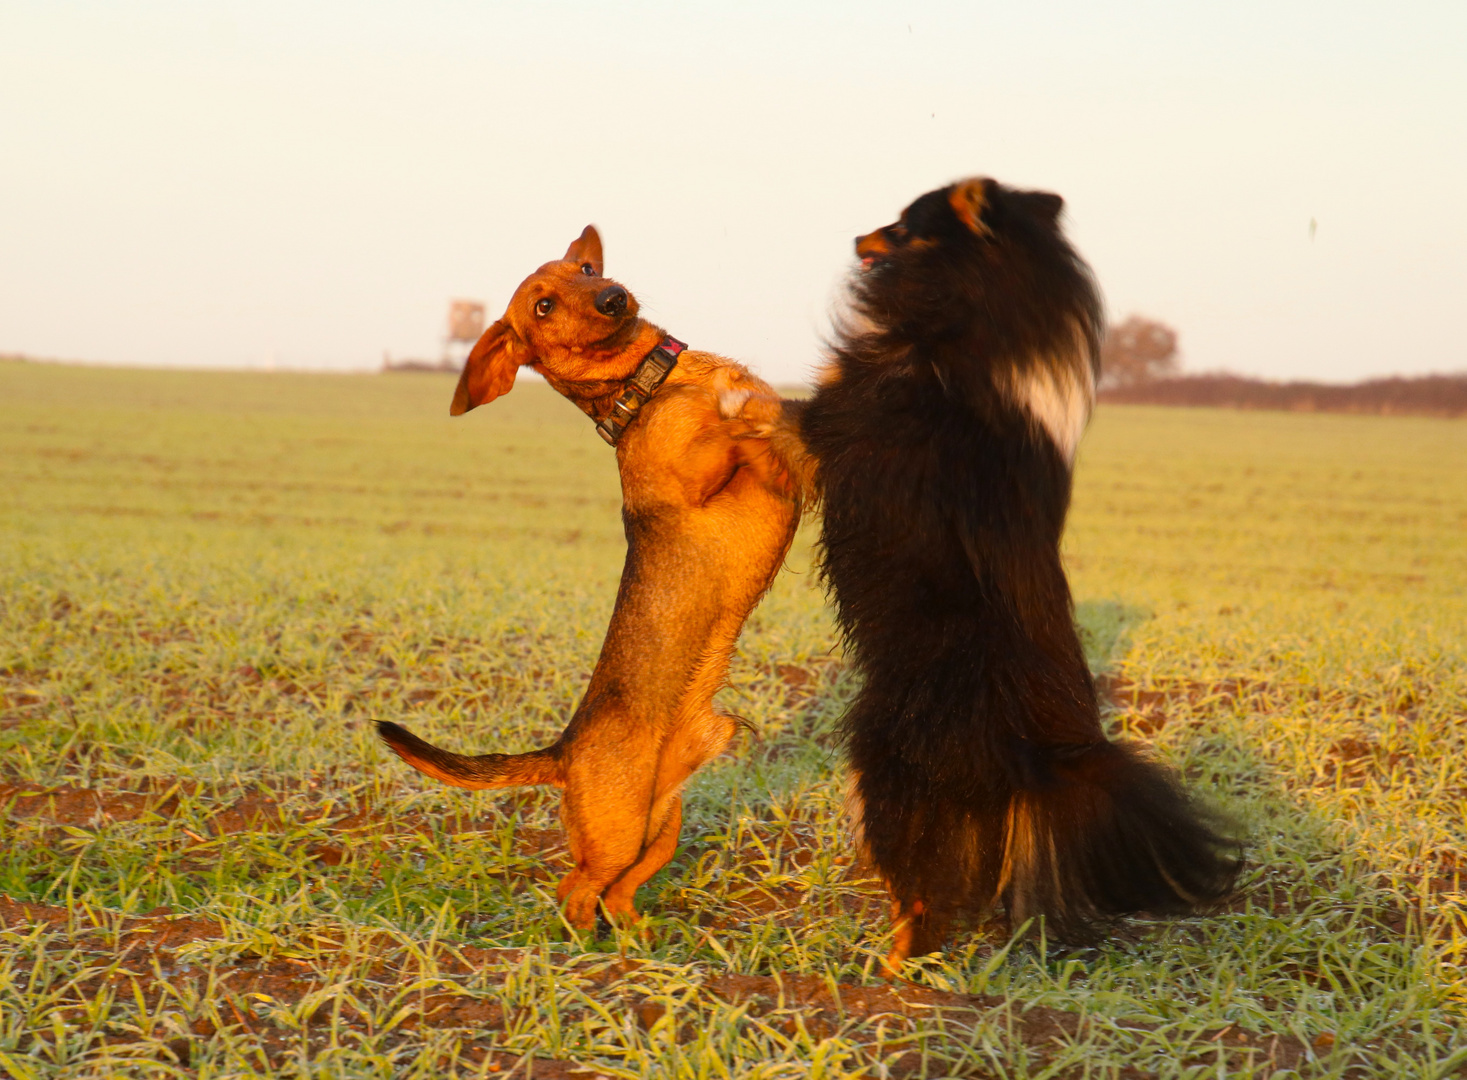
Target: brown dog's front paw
{"points": [[767, 430], [731, 402], [759, 415]]}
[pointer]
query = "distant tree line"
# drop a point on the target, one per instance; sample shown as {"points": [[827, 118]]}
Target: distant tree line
{"points": [[1424, 395], [1139, 367], [1136, 351]]}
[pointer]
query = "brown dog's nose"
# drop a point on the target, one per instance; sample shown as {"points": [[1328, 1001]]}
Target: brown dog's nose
{"points": [[611, 300]]}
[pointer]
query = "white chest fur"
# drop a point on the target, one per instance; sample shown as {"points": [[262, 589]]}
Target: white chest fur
{"points": [[1057, 393]]}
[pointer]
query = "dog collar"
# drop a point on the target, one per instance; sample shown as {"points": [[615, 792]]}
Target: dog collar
{"points": [[651, 373]]}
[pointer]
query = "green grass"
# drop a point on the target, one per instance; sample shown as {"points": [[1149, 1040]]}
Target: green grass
{"points": [[209, 583]]}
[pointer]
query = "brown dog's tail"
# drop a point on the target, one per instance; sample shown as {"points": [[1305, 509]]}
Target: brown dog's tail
{"points": [[481, 771]]}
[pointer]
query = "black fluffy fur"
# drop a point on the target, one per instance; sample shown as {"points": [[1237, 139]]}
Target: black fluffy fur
{"points": [[983, 773]]}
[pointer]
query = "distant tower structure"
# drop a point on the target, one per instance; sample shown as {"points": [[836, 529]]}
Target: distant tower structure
{"points": [[465, 325]]}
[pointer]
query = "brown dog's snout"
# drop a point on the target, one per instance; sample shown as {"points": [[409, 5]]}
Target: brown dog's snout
{"points": [[612, 300]]}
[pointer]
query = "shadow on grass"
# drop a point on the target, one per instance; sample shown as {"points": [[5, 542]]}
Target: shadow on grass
{"points": [[1105, 630]]}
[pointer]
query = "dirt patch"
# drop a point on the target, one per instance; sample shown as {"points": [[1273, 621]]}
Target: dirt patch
{"points": [[160, 929], [1146, 710], [806, 699], [1364, 760], [800, 682], [343, 829], [144, 967], [253, 811], [85, 807], [357, 829], [248, 995], [821, 1007], [1354, 762]]}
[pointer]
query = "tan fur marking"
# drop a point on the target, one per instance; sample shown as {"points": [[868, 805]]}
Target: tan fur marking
{"points": [[853, 810], [968, 199], [1058, 393]]}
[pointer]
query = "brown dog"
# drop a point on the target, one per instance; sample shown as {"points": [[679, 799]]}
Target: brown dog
{"points": [[709, 510]]}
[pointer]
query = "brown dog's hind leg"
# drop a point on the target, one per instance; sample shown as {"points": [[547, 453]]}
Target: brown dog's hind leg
{"points": [[691, 746], [595, 881], [607, 825], [619, 896], [590, 883], [580, 892], [623, 841], [578, 898]]}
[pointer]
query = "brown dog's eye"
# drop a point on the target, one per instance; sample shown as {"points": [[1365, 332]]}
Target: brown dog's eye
{"points": [[542, 307], [588, 269]]}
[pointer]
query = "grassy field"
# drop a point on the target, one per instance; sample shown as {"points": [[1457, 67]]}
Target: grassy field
{"points": [[210, 583]]}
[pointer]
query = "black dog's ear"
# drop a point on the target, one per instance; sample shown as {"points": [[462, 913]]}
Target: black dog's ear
{"points": [[968, 199], [586, 249], [1044, 205]]}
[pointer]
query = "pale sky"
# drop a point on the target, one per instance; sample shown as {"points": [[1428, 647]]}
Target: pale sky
{"points": [[220, 184]]}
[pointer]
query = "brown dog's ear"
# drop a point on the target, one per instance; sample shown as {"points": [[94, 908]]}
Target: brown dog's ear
{"points": [[490, 368], [586, 249], [968, 199]]}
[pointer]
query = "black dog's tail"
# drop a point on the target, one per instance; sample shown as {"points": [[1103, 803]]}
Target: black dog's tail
{"points": [[1109, 832], [481, 771], [1084, 836]]}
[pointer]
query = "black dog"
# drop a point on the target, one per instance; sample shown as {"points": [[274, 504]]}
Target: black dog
{"points": [[943, 436]]}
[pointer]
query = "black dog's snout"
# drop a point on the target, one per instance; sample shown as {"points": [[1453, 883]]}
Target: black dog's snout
{"points": [[611, 300]]}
